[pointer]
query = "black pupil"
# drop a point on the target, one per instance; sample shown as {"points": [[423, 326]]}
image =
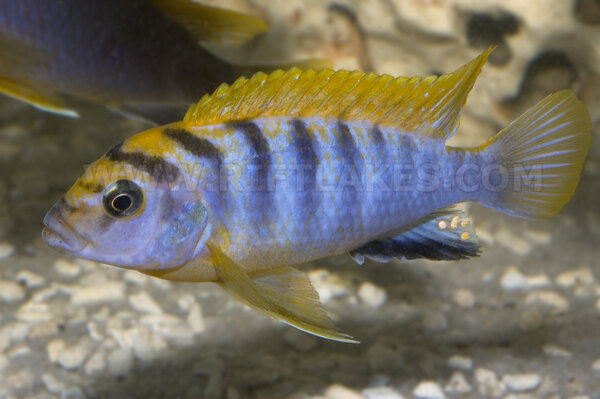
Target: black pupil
{"points": [[122, 202]]}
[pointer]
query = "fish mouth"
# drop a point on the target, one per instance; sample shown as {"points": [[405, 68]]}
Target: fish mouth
{"points": [[58, 234]]}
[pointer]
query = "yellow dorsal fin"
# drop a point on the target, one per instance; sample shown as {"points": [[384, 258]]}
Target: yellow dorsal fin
{"points": [[211, 24], [429, 105]]}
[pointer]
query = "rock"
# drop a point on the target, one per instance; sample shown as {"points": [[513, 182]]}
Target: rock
{"points": [[72, 393], [72, 357], [513, 279], [185, 302], [513, 243], [30, 279], [120, 362], [6, 250], [142, 302], [135, 278], [556, 351], [459, 362], [537, 281], [428, 390], [195, 318], [539, 236], [327, 285], [596, 365], [464, 298], [45, 294], [67, 269], [11, 292], [34, 312], [341, 392], [522, 382], [571, 278], [54, 348], [53, 384], [381, 393], [487, 383], [556, 303], [4, 340], [98, 293], [3, 364], [372, 295], [18, 351], [457, 384], [299, 340], [96, 364]]}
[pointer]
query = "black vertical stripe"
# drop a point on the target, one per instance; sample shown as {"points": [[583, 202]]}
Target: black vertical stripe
{"points": [[260, 197], [161, 170], [380, 145], [351, 163], [197, 146], [307, 162]]}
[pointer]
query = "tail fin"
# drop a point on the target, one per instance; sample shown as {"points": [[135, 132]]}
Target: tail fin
{"points": [[543, 152]]}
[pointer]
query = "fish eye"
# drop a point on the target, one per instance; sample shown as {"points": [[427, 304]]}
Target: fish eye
{"points": [[122, 198]]}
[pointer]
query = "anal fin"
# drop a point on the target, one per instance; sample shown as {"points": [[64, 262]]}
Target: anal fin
{"points": [[444, 237], [285, 294]]}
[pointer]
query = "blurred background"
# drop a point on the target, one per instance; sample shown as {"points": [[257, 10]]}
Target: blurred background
{"points": [[521, 321]]}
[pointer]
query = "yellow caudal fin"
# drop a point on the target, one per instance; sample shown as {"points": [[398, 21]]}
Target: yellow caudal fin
{"points": [[540, 157], [42, 99], [429, 106], [285, 294], [210, 24]]}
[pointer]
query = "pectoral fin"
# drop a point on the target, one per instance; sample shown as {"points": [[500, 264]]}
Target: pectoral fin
{"points": [[448, 236], [43, 99], [210, 24], [285, 294]]}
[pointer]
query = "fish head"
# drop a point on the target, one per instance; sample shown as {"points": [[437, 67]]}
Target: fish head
{"points": [[125, 217]]}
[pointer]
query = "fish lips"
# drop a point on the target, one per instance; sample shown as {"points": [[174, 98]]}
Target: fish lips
{"points": [[58, 234]]}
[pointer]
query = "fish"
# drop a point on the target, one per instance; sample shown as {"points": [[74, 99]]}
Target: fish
{"points": [[281, 169], [142, 58]]}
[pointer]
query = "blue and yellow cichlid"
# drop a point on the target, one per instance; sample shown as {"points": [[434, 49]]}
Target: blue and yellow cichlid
{"points": [[136, 56], [295, 166]]}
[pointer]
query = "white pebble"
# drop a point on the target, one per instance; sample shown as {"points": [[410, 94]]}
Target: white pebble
{"points": [[556, 351], [11, 291], [554, 301], [18, 351], [53, 384], [596, 365], [428, 390], [341, 392], [513, 243], [72, 357], [185, 302], [67, 269], [372, 295], [459, 362], [513, 280], [106, 292], [538, 236], [120, 362], [34, 312], [142, 302], [488, 383], [381, 393], [54, 348], [45, 294], [457, 384], [6, 250], [571, 278], [522, 382], [195, 319], [537, 281], [464, 298], [327, 285], [30, 279], [299, 340], [96, 364]]}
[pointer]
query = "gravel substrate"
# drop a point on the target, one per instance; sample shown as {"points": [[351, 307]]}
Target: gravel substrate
{"points": [[521, 321]]}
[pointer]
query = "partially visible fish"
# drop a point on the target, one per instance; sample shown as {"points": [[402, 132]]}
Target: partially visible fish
{"points": [[133, 55], [282, 169]]}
